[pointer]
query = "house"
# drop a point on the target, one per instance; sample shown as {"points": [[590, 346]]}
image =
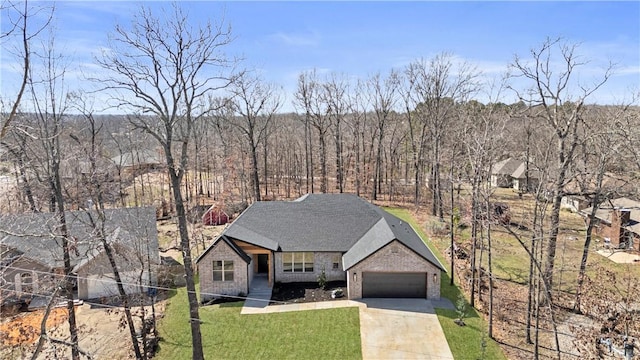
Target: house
{"points": [[501, 172], [512, 173], [138, 162], [340, 235], [613, 185], [618, 222], [522, 182], [32, 256]]}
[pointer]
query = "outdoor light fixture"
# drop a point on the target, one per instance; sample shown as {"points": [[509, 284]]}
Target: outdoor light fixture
{"points": [[355, 277], [435, 278]]}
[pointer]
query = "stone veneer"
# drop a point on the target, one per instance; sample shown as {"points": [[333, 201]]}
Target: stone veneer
{"points": [[209, 288], [320, 260], [394, 257]]}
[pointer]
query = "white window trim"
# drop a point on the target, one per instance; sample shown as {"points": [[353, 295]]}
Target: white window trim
{"points": [[222, 271], [293, 267]]}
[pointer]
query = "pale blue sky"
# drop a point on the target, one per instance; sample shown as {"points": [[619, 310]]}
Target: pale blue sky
{"points": [[358, 39]]}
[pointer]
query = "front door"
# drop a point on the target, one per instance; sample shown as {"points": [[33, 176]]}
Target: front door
{"points": [[263, 263]]}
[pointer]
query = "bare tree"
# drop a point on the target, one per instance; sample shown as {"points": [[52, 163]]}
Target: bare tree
{"points": [[49, 99], [438, 85], [254, 104], [335, 92], [309, 95], [20, 17], [383, 94], [94, 181], [558, 100], [167, 68]]}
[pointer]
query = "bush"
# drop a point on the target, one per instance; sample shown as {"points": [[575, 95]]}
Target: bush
{"points": [[461, 310], [322, 279]]}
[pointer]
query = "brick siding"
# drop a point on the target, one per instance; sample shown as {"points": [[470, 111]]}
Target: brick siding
{"points": [[209, 288], [394, 257], [321, 260]]}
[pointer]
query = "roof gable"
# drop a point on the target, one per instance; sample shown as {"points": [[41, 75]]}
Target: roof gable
{"points": [[231, 244], [388, 229]]}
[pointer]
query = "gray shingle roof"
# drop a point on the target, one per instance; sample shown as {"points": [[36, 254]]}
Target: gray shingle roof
{"points": [[35, 234], [325, 222], [520, 172], [506, 167]]}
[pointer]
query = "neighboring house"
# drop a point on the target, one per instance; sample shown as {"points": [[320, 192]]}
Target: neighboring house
{"points": [[138, 161], [347, 238], [32, 256], [618, 222], [611, 184], [520, 180], [512, 173]]}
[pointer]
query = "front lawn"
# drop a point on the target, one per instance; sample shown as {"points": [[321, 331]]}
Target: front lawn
{"points": [[313, 334]]}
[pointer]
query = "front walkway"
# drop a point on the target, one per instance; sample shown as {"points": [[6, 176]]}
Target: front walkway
{"points": [[259, 296]]}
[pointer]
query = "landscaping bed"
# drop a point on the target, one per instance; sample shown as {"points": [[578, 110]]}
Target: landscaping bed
{"points": [[305, 292]]}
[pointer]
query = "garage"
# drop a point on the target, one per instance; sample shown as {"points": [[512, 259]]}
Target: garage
{"points": [[105, 285], [394, 285]]}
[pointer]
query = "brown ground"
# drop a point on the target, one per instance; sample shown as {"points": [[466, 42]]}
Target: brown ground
{"points": [[304, 292], [25, 328]]}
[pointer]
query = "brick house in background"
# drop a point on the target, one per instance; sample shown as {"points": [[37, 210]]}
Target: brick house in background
{"points": [[618, 221], [340, 235]]}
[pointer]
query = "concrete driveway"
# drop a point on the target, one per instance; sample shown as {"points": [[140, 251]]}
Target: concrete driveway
{"points": [[401, 329]]}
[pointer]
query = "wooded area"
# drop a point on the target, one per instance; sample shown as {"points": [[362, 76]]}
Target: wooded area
{"points": [[201, 130]]}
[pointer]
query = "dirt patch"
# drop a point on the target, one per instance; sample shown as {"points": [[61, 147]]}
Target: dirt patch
{"points": [[25, 328], [305, 292]]}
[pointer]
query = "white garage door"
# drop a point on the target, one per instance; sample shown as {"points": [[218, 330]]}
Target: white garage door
{"points": [[394, 285], [105, 285]]}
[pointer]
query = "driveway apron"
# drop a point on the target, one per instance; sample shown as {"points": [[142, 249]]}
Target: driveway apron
{"points": [[401, 329]]}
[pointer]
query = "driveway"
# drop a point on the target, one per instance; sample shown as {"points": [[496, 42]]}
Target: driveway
{"points": [[401, 329]]}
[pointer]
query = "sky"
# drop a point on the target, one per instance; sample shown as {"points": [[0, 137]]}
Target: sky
{"points": [[359, 39]]}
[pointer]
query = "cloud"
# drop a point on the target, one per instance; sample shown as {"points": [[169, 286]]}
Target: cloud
{"points": [[628, 70], [296, 39]]}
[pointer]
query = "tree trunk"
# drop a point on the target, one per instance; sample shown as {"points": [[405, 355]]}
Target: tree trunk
{"points": [[323, 160], [255, 181], [194, 317], [68, 288], [490, 270]]}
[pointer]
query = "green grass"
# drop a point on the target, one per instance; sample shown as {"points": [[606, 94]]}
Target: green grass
{"points": [[465, 342], [327, 334]]}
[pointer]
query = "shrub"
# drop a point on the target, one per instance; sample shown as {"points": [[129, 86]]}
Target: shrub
{"points": [[322, 279], [461, 310]]}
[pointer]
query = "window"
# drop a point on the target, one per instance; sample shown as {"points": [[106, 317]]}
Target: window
{"points": [[223, 270], [27, 282], [336, 262], [297, 262]]}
